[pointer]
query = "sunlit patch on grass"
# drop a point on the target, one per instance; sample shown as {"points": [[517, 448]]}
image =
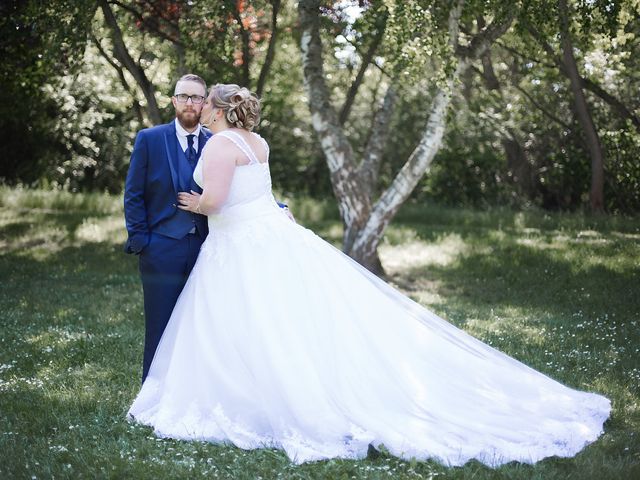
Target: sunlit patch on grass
{"points": [[533, 242], [416, 253], [507, 322], [628, 236], [560, 239], [588, 234], [106, 229], [57, 336], [38, 242], [17, 199], [418, 256]]}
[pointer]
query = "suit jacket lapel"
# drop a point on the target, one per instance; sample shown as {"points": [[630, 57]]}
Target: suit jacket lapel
{"points": [[171, 144]]}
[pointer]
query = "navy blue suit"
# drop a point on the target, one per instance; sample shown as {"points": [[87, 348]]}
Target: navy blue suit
{"points": [[166, 238]]}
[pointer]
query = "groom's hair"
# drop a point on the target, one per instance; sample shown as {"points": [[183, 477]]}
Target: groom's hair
{"points": [[190, 77]]}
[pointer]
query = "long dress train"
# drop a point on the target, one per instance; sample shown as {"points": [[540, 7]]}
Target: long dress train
{"points": [[280, 340]]}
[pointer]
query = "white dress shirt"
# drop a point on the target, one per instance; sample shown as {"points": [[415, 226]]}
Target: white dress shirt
{"points": [[181, 133]]}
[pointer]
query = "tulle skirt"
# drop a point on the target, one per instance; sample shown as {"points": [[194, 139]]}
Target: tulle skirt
{"points": [[280, 340]]}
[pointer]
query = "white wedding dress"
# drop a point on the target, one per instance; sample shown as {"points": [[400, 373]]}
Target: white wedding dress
{"points": [[280, 340]]}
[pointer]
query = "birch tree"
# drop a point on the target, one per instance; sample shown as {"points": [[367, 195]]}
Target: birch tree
{"points": [[366, 215]]}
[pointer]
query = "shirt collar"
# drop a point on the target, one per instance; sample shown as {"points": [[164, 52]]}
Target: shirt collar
{"points": [[183, 133]]}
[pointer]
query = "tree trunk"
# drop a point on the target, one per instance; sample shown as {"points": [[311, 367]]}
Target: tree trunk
{"points": [[353, 186], [354, 207], [596, 196], [180, 59], [522, 174], [122, 54], [368, 237]]}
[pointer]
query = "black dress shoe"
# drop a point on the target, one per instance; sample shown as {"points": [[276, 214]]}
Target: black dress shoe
{"points": [[372, 453]]}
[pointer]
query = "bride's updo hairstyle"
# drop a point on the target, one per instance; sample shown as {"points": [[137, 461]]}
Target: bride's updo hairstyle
{"points": [[241, 107]]}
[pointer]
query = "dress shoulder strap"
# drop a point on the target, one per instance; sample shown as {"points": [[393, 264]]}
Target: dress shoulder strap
{"points": [[264, 143], [241, 143]]}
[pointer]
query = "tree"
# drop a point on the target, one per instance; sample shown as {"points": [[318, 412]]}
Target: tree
{"points": [[365, 217], [545, 21], [121, 53]]}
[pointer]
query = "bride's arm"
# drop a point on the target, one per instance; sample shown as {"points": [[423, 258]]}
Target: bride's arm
{"points": [[219, 164]]}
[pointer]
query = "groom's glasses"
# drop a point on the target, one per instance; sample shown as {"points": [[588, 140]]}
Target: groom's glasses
{"points": [[184, 98]]}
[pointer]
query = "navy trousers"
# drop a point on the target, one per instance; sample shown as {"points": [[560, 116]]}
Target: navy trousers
{"points": [[165, 264]]}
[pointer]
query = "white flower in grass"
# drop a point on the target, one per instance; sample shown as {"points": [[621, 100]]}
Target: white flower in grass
{"points": [[7, 366]]}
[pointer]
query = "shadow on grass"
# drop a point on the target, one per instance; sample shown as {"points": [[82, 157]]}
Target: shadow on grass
{"points": [[545, 280], [73, 307], [15, 229], [507, 219]]}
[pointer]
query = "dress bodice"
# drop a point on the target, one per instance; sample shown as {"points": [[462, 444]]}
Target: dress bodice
{"points": [[250, 190]]}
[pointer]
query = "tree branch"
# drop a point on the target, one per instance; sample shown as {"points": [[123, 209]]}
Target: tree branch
{"points": [[335, 145], [244, 35], [546, 46], [619, 107], [482, 41], [122, 54], [373, 62], [524, 57], [118, 68], [539, 106], [151, 25], [366, 61], [271, 49], [370, 167], [616, 104]]}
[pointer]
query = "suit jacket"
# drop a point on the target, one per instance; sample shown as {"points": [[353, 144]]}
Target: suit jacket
{"points": [[151, 188]]}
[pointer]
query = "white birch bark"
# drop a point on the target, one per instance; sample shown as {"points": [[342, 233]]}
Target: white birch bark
{"points": [[354, 186], [353, 206]]}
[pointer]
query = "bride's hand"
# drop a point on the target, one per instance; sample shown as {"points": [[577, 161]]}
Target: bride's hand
{"points": [[189, 201]]}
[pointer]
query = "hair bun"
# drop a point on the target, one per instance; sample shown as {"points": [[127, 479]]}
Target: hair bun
{"points": [[241, 107]]}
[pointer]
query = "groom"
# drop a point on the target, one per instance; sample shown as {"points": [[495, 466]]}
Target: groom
{"points": [[166, 238]]}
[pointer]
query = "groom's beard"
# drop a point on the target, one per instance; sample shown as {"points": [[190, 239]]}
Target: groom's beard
{"points": [[188, 118]]}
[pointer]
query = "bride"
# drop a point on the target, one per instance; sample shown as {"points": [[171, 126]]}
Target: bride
{"points": [[280, 340]]}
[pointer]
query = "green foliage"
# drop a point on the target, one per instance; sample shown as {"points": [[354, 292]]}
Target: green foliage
{"points": [[41, 41], [556, 291], [622, 170], [67, 117], [532, 105], [463, 176], [417, 41], [211, 35]]}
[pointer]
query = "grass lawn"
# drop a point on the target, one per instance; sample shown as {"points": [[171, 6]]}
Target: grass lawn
{"points": [[559, 292]]}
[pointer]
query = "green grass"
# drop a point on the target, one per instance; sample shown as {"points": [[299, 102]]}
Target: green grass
{"points": [[560, 292]]}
